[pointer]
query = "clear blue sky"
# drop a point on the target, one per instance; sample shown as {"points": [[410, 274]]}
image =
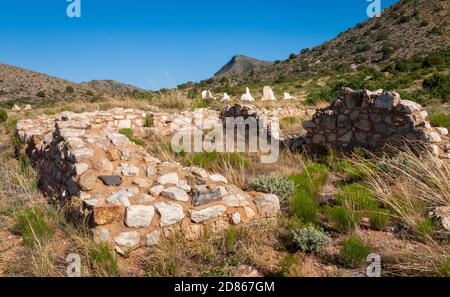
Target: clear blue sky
{"points": [[155, 44]]}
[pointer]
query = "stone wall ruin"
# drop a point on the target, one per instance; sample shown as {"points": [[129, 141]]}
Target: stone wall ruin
{"points": [[372, 120], [127, 196]]}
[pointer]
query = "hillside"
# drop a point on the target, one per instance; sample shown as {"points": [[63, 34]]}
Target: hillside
{"points": [[26, 86], [406, 29]]}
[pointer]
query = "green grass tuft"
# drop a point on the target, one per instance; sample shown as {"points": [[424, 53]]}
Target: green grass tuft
{"points": [[354, 251], [130, 135], [308, 186], [440, 120], [104, 260], [33, 224]]}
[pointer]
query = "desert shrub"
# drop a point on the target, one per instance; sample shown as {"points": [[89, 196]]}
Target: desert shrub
{"points": [[387, 51], [89, 93], [33, 224], [438, 86], [40, 94], [354, 251], [440, 120], [70, 90], [286, 265], [308, 186], [149, 121], [199, 104], [3, 115], [310, 239], [104, 260], [281, 187], [130, 135]]}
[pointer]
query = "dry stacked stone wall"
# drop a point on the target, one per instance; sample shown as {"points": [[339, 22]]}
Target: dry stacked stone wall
{"points": [[128, 197], [371, 120]]}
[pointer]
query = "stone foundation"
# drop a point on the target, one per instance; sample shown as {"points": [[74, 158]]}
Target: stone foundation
{"points": [[127, 196]]}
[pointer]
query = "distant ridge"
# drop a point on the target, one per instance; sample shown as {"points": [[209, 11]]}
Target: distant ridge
{"points": [[240, 64], [31, 86]]}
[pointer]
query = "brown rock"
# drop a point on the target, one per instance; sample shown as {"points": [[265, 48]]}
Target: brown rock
{"points": [[108, 214], [88, 180], [103, 166], [113, 155]]}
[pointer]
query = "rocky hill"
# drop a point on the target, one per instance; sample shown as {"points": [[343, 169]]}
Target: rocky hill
{"points": [[241, 64], [18, 84], [405, 29]]}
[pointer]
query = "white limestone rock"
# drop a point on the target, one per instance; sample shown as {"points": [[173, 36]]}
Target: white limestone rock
{"points": [[171, 213], [247, 96], [139, 216], [268, 94], [199, 216], [287, 96], [153, 238], [169, 179], [128, 239], [175, 194], [225, 97]]}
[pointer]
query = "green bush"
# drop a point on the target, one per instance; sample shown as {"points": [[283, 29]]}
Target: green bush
{"points": [[104, 260], [3, 115], [310, 239], [281, 187], [70, 90], [438, 86], [440, 120], [33, 224], [40, 94], [354, 252]]}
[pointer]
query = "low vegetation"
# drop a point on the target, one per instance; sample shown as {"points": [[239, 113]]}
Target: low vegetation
{"points": [[310, 239], [270, 184], [354, 252]]}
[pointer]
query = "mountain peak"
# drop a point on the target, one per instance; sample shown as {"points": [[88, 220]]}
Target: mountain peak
{"points": [[240, 64]]}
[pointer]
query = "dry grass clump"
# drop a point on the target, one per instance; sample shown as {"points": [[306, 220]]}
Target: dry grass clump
{"points": [[212, 254], [410, 186]]}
